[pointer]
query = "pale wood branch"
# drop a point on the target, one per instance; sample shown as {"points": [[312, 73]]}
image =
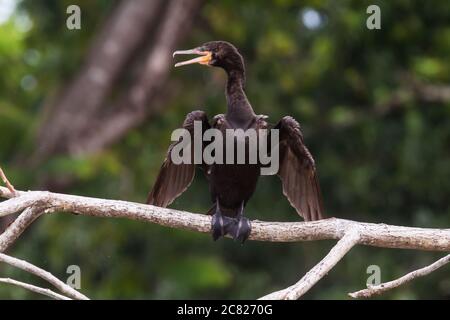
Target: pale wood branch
{"points": [[18, 226], [6, 182], [41, 273], [43, 291], [35, 203], [383, 287], [348, 241], [371, 234]]}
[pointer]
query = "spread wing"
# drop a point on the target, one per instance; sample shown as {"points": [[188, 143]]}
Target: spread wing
{"points": [[298, 172], [173, 179]]}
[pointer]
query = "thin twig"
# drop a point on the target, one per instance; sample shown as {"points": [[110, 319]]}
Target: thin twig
{"points": [[43, 291], [6, 182], [41, 273], [383, 287]]}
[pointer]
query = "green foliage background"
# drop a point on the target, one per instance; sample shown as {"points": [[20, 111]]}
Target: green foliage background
{"points": [[378, 166]]}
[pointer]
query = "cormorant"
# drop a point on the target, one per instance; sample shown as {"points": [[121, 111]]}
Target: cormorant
{"points": [[232, 185]]}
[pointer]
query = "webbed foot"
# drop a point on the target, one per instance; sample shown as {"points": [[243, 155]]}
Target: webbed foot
{"points": [[220, 225], [240, 230]]}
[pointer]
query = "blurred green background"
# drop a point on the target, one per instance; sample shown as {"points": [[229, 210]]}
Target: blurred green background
{"points": [[374, 106]]}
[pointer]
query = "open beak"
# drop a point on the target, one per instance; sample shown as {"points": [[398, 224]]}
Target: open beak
{"points": [[205, 57]]}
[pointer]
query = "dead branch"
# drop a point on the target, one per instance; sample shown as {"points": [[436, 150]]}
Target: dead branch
{"points": [[33, 204], [47, 276], [348, 241], [383, 287], [371, 234], [43, 291], [15, 229], [6, 182]]}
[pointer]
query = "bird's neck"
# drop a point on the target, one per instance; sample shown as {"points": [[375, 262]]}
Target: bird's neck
{"points": [[239, 109]]}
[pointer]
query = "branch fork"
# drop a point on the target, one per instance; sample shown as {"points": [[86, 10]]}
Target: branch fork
{"points": [[33, 204]]}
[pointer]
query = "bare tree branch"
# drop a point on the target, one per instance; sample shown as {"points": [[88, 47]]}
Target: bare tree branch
{"points": [[14, 205], [35, 203], [371, 234], [43, 291], [6, 182], [350, 233], [18, 226], [47, 276], [383, 287], [348, 241]]}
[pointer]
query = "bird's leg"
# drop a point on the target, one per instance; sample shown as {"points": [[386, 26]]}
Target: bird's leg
{"points": [[219, 223], [242, 227]]}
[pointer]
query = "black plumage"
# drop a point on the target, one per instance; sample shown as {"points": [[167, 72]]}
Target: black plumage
{"points": [[232, 185]]}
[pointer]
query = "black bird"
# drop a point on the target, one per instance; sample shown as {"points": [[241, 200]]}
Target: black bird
{"points": [[232, 185]]}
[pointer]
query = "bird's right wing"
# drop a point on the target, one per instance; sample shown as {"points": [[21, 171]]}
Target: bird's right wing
{"points": [[173, 179]]}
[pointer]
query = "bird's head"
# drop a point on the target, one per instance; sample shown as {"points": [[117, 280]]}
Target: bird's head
{"points": [[216, 54]]}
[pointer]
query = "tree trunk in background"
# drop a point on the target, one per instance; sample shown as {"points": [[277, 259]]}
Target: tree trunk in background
{"points": [[83, 120], [146, 92]]}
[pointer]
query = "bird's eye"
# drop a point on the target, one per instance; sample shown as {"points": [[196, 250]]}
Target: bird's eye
{"points": [[213, 58]]}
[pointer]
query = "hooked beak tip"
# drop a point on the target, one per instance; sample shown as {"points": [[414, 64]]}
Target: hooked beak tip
{"points": [[191, 51]]}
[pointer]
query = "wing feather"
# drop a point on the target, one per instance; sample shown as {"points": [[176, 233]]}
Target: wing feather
{"points": [[298, 172], [173, 179]]}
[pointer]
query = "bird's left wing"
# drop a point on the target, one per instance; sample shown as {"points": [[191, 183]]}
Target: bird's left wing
{"points": [[298, 171], [173, 179]]}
